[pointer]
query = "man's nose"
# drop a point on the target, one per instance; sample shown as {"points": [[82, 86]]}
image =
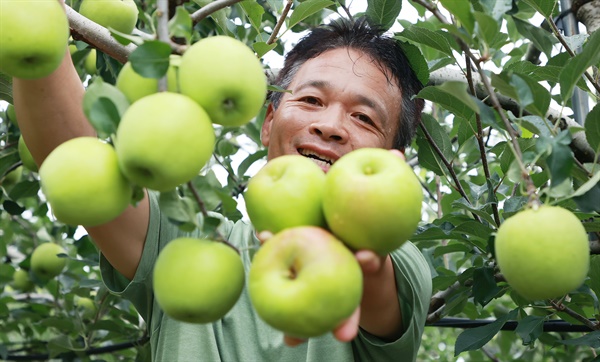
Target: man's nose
{"points": [[330, 125]]}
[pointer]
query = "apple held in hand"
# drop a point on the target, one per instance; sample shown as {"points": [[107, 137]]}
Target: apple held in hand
{"points": [[45, 262], [134, 86], [120, 15], [543, 252], [372, 200], [286, 192], [33, 37], [197, 280], [163, 141], [305, 282], [225, 77], [83, 183]]}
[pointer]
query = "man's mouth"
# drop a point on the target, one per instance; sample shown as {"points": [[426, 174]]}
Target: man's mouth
{"points": [[323, 161]]}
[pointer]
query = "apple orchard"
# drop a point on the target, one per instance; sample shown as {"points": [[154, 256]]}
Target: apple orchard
{"points": [[505, 165]]}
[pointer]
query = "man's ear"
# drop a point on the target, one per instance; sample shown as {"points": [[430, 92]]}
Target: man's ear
{"points": [[266, 127]]}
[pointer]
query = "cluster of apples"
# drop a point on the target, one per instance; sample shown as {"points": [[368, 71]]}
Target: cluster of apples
{"points": [[153, 131], [305, 279]]}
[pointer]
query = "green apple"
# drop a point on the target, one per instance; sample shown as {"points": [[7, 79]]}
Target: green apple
{"points": [[304, 282], [134, 86], [83, 184], [372, 200], [12, 177], [33, 37], [164, 140], [543, 252], [86, 307], [72, 49], [45, 262], [286, 192], [120, 15], [225, 77], [22, 281], [11, 114], [26, 156], [197, 280], [89, 64]]}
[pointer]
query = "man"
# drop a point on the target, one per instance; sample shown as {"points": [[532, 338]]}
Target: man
{"points": [[349, 88]]}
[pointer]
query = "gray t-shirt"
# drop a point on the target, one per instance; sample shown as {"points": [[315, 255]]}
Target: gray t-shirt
{"points": [[241, 335]]}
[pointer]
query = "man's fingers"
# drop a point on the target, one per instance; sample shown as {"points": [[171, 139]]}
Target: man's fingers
{"points": [[264, 236], [369, 261], [398, 153], [348, 330]]}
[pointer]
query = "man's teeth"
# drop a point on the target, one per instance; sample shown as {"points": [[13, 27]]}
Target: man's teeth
{"points": [[319, 160]]}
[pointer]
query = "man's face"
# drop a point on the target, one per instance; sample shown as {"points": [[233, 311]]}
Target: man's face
{"points": [[339, 101]]}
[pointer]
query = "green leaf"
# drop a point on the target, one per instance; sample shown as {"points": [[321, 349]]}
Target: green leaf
{"points": [[5, 88], [484, 285], [179, 210], [591, 339], [497, 8], [180, 25], [417, 61], [8, 158], [475, 338], [530, 328], [544, 7], [24, 189], [112, 105], [574, 69], [560, 160], [462, 11], [487, 27], [306, 9], [261, 48], [542, 39], [424, 36], [12, 207], [383, 12], [104, 116], [587, 196], [250, 160], [151, 59], [453, 96], [254, 12], [592, 128], [428, 157]]}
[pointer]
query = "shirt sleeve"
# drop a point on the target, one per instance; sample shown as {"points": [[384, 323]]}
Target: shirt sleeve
{"points": [[413, 281], [139, 289]]}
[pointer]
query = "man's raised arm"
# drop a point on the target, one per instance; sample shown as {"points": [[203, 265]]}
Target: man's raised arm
{"points": [[50, 112]]}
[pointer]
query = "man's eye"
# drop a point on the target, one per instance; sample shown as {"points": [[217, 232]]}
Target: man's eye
{"points": [[365, 118], [311, 100]]}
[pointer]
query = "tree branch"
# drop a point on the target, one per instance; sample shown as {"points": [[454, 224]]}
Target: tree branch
{"points": [[286, 10], [205, 11], [98, 36]]}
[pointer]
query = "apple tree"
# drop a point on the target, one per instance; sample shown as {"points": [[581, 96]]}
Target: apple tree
{"points": [[511, 122]]}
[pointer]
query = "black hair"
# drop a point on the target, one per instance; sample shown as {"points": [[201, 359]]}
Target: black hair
{"points": [[361, 36]]}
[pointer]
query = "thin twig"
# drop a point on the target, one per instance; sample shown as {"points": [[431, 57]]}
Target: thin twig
{"points": [[479, 137], [559, 306], [207, 10], [286, 10]]}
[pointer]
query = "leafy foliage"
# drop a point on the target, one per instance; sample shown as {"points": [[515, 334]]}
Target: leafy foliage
{"points": [[498, 130]]}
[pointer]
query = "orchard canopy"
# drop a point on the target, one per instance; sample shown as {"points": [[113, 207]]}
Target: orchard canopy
{"points": [[511, 117]]}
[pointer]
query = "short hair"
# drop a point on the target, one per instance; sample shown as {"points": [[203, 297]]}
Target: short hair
{"points": [[361, 36]]}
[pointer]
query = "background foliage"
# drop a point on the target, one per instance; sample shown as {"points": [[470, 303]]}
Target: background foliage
{"points": [[500, 78]]}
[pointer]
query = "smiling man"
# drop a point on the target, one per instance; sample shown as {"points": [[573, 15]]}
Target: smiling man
{"points": [[349, 87]]}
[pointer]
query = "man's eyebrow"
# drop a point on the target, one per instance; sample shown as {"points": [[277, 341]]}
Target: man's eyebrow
{"points": [[320, 84]]}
